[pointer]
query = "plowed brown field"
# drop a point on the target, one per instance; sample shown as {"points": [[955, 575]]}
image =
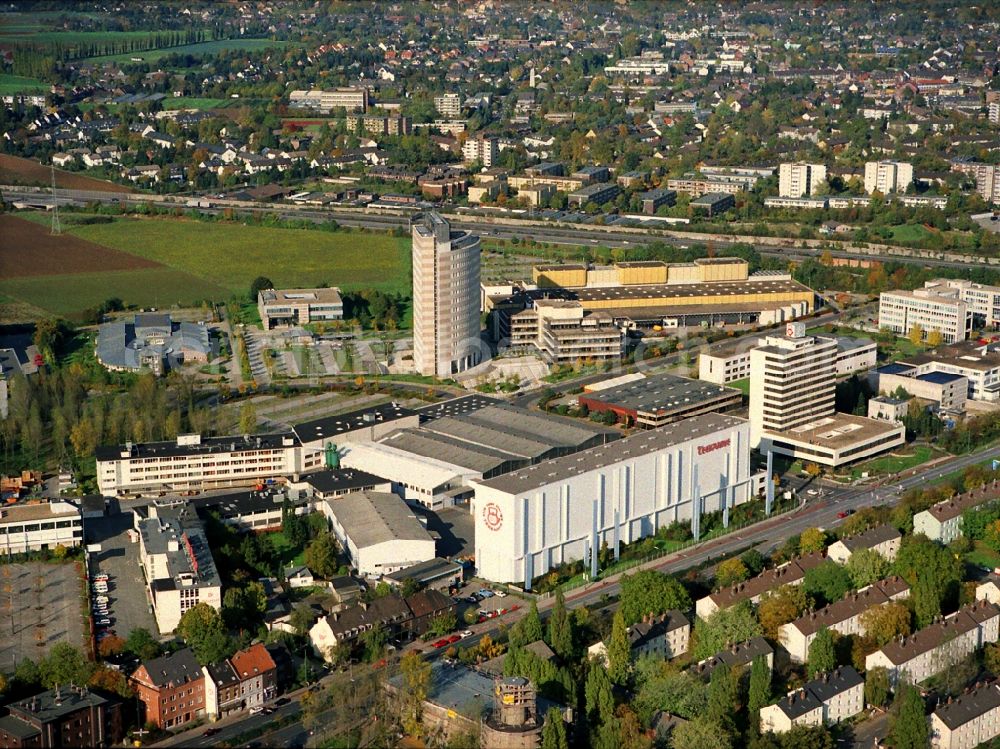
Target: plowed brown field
{"points": [[28, 249], [17, 171]]}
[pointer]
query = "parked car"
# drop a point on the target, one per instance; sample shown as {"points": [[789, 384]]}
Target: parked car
{"points": [[256, 710], [500, 594], [440, 643], [104, 622], [467, 633], [453, 639], [210, 732]]}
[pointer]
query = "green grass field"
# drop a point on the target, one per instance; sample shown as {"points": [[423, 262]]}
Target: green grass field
{"points": [[19, 84], [230, 256], [69, 295], [983, 556], [894, 463], [199, 48], [742, 385], [194, 102]]}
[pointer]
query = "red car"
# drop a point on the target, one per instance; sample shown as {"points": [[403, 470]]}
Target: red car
{"points": [[481, 619], [454, 638], [440, 644]]}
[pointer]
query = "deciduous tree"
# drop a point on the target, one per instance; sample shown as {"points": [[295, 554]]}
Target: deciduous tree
{"points": [[560, 628], [908, 724], [731, 571], [827, 582], [812, 539], [724, 628], [877, 686], [619, 651], [822, 657], [780, 606], [886, 622], [866, 566], [700, 733], [651, 592]]}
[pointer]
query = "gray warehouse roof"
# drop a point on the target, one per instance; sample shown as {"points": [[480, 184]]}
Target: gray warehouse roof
{"points": [[560, 469], [660, 393], [370, 518]]}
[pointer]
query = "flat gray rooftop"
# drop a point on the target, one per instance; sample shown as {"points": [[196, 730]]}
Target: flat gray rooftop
{"points": [[371, 518], [662, 393], [643, 443]]}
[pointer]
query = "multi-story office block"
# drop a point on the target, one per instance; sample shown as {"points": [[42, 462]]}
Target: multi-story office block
{"points": [[445, 298], [930, 309]]}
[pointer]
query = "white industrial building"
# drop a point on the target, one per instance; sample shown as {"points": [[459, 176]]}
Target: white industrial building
{"points": [[195, 462], [378, 531], [536, 518], [464, 440], [40, 525]]}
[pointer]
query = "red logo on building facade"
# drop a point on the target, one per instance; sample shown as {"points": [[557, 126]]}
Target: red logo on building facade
{"points": [[705, 449], [493, 517]]}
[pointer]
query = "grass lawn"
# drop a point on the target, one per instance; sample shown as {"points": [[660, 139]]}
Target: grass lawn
{"points": [[283, 549], [894, 463], [68, 295], [19, 84], [230, 256], [983, 556], [911, 233], [742, 385]]}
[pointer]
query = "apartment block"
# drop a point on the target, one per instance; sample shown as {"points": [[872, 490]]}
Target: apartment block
{"points": [[790, 573], [827, 699], [378, 125], [843, 616], [738, 655], [564, 333], [938, 646], [664, 636], [67, 716], [969, 720], [449, 105], [994, 112], [171, 689], [481, 148], [800, 179], [652, 200], [291, 307], [598, 193], [943, 521], [929, 309], [987, 177], [883, 539], [887, 176]]}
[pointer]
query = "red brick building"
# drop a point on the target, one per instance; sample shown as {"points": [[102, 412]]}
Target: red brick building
{"points": [[64, 717], [171, 688]]}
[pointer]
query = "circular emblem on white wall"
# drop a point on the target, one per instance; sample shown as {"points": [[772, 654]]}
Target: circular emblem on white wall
{"points": [[492, 516]]}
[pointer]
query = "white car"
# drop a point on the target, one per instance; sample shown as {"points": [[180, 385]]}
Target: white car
{"points": [[467, 633], [500, 594]]}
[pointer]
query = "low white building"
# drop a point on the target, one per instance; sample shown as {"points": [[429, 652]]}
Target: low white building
{"points": [[730, 363], [40, 525], [969, 720], [563, 510], [938, 646], [827, 699], [884, 539], [938, 310], [378, 531]]}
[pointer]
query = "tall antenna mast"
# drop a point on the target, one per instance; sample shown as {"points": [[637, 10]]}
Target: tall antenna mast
{"points": [[56, 229]]}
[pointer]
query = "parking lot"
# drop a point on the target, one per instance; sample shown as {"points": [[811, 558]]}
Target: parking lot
{"points": [[128, 604], [40, 604]]}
